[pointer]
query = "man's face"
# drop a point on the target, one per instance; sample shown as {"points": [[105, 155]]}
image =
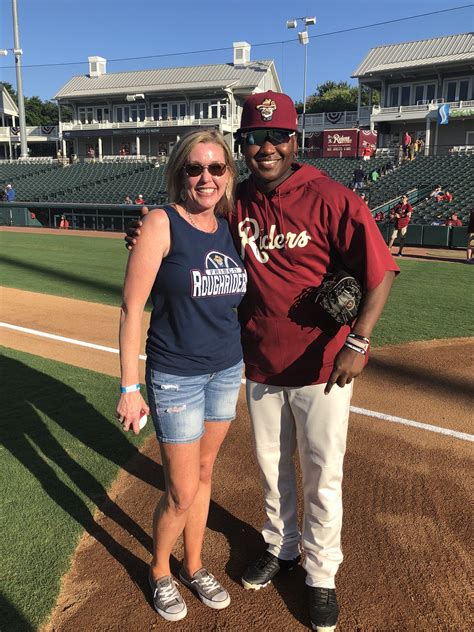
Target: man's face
{"points": [[270, 163]]}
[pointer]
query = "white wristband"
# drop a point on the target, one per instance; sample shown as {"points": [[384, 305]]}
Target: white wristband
{"points": [[130, 389]]}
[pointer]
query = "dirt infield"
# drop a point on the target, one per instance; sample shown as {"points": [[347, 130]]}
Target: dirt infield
{"points": [[407, 521]]}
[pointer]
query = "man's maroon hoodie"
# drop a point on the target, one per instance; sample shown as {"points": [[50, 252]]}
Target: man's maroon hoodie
{"points": [[289, 239]]}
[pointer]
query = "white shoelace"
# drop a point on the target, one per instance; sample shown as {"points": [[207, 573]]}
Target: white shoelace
{"points": [[167, 594]]}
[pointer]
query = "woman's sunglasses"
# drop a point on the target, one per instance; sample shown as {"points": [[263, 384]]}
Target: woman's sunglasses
{"points": [[260, 136], [194, 169]]}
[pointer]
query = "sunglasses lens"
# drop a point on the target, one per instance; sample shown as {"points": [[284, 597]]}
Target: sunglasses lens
{"points": [[259, 136], [217, 169], [194, 169]]}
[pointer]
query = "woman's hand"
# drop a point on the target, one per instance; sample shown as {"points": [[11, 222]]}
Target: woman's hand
{"points": [[133, 230], [130, 407]]}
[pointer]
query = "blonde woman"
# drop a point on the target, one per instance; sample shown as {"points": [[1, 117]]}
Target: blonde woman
{"points": [[187, 261]]}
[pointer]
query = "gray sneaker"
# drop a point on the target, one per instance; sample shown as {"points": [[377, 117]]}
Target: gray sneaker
{"points": [[208, 589], [166, 598]]}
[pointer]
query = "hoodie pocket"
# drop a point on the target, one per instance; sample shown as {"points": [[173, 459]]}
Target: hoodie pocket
{"points": [[263, 348]]}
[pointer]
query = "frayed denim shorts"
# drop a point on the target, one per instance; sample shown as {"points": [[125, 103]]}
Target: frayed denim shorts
{"points": [[179, 405]]}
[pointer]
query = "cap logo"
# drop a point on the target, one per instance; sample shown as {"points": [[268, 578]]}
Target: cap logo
{"points": [[266, 109]]}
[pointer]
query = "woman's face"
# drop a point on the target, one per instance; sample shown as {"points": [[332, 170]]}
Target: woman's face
{"points": [[205, 190]]}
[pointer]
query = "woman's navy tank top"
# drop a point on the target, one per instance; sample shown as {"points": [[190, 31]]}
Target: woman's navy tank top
{"points": [[194, 327]]}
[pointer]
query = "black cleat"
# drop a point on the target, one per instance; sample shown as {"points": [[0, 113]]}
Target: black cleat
{"points": [[261, 572], [323, 609]]}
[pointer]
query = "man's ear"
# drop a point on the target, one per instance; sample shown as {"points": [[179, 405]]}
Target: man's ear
{"points": [[295, 145]]}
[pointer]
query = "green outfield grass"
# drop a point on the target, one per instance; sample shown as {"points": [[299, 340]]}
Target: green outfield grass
{"points": [[60, 451], [87, 268], [429, 299]]}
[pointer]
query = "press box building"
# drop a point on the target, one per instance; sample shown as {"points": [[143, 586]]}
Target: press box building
{"points": [[145, 112]]}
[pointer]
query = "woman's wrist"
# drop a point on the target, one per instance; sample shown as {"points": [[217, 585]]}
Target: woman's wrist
{"points": [[129, 388]]}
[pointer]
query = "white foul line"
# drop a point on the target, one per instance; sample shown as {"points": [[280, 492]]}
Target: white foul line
{"points": [[71, 341], [415, 424], [360, 411]]}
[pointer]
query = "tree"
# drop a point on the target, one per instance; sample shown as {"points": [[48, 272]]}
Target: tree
{"points": [[336, 97], [38, 112]]}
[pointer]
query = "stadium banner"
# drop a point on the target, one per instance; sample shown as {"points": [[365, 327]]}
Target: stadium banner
{"points": [[340, 143], [314, 144], [462, 113], [102, 133], [443, 114], [367, 138]]}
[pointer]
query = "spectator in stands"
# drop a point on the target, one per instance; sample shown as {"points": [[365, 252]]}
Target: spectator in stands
{"points": [[436, 193], [358, 178], [400, 155], [91, 152], [374, 176], [453, 220], [401, 215], [366, 152], [389, 167], [127, 200], [447, 196], [194, 354], [419, 145], [59, 155], [439, 221], [139, 199], [470, 238], [379, 217], [10, 193], [363, 196], [406, 144], [412, 150], [3, 195], [64, 223]]}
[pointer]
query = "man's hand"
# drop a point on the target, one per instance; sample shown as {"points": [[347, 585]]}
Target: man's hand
{"points": [[347, 365], [133, 230]]}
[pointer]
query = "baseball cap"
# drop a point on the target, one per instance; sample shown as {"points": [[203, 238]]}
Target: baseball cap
{"points": [[269, 109]]}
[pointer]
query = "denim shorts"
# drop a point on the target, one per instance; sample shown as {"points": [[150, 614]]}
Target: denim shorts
{"points": [[180, 404]]}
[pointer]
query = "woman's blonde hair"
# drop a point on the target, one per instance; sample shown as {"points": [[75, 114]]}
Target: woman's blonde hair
{"points": [[175, 175]]}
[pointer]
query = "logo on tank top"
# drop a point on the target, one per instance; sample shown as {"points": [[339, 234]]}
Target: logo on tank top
{"points": [[222, 276]]}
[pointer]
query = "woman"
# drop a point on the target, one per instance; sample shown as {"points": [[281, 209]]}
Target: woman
{"points": [[187, 260]]}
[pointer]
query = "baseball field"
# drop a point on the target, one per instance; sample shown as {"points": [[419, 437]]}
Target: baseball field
{"points": [[78, 493]]}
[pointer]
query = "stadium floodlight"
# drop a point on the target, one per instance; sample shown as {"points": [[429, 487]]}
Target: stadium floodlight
{"points": [[3, 52], [17, 51], [303, 38]]}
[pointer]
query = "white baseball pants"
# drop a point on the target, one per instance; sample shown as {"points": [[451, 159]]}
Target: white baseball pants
{"points": [[283, 418]]}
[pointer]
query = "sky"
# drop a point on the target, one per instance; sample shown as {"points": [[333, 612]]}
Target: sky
{"points": [[67, 32]]}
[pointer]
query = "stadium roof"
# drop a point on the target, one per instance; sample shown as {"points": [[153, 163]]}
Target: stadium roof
{"points": [[410, 55], [218, 76], [7, 104]]}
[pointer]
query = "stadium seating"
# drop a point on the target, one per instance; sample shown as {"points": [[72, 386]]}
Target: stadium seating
{"points": [[110, 182]]}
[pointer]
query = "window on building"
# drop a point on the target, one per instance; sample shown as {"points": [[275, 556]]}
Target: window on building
{"points": [[393, 98], [405, 99], [458, 90], [130, 113], [451, 91], [430, 92], [463, 90]]}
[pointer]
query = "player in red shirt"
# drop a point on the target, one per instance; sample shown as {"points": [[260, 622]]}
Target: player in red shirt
{"points": [[401, 215]]}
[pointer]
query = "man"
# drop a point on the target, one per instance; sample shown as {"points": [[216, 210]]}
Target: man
{"points": [[401, 215], [10, 193], [293, 224], [358, 177], [453, 220]]}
